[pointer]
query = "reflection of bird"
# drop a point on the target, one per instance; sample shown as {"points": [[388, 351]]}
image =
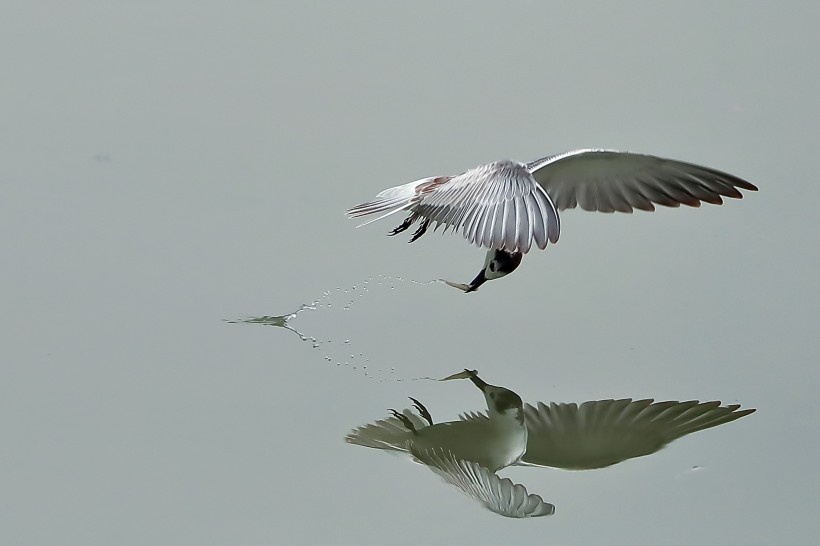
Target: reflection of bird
{"points": [[466, 453], [577, 437], [507, 206]]}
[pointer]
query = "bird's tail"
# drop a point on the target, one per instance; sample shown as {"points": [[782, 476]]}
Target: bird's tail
{"points": [[390, 201], [388, 434]]}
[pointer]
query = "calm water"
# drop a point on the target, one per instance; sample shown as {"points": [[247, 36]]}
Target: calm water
{"points": [[167, 169]]}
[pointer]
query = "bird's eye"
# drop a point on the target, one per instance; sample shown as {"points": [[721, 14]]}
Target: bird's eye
{"points": [[492, 267]]}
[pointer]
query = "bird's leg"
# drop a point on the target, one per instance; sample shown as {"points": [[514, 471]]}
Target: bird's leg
{"points": [[408, 424], [422, 410], [404, 225], [421, 231]]}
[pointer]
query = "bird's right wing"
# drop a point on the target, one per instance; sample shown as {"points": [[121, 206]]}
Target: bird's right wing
{"points": [[499, 495], [604, 432]]}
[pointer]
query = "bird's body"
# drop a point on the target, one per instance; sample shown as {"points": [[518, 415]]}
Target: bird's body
{"points": [[495, 442], [508, 206], [492, 443]]}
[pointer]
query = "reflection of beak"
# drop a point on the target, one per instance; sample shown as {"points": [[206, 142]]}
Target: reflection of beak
{"points": [[472, 375], [465, 374]]}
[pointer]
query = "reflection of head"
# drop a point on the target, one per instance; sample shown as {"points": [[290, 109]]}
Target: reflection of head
{"points": [[500, 401]]}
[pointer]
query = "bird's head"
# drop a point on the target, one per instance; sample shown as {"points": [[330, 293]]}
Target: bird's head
{"points": [[500, 263]]}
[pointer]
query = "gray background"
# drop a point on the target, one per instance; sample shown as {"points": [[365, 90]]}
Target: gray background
{"points": [[166, 165]]}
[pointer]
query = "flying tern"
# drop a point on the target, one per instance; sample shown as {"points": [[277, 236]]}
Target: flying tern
{"points": [[507, 206]]}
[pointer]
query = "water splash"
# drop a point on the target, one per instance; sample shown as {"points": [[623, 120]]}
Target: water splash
{"points": [[280, 321], [352, 360]]}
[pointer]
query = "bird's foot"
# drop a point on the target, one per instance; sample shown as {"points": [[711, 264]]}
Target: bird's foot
{"points": [[403, 226], [408, 424], [421, 230], [422, 410]]}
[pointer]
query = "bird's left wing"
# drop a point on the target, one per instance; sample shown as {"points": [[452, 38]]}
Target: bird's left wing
{"points": [[499, 495], [611, 180], [496, 206], [600, 433]]}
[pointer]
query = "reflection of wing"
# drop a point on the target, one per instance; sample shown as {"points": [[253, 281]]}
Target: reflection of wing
{"points": [[389, 434], [609, 181], [604, 432], [499, 495]]}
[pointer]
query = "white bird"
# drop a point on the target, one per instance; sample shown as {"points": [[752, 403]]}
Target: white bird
{"points": [[593, 435], [508, 206]]}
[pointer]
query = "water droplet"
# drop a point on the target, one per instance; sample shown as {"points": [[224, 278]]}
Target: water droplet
{"points": [[347, 341]]}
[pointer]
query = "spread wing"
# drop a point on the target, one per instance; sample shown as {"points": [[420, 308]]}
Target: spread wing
{"points": [[610, 181], [496, 206], [499, 495], [605, 432]]}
